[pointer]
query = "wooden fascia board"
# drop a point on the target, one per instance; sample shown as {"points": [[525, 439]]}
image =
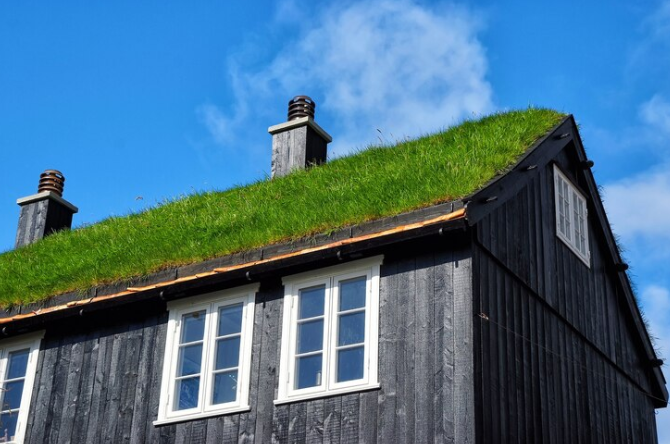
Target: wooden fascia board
{"points": [[363, 245], [631, 303]]}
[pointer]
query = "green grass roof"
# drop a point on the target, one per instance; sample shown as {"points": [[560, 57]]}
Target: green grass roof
{"points": [[374, 183]]}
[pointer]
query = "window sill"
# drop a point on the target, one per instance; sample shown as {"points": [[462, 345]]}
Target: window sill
{"points": [[164, 421], [326, 394]]}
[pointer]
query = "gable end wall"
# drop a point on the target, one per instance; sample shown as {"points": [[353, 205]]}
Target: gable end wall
{"points": [[556, 357]]}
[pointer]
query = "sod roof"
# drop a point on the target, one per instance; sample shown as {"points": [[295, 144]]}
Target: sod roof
{"points": [[374, 183]]}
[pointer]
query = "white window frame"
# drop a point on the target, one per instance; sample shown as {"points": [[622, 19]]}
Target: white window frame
{"points": [[330, 277], [31, 341], [577, 222], [211, 303]]}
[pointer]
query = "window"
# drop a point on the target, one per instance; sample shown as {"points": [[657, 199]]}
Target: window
{"points": [[571, 216], [330, 331], [18, 363], [208, 356]]}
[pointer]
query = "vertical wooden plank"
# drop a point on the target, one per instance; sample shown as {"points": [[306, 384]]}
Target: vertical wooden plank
{"points": [[247, 420], [486, 283], [145, 370], [489, 368], [57, 403], [349, 424], [509, 414], [443, 351], [388, 333], [183, 432], [231, 428], [499, 354], [367, 418], [269, 302], [111, 411], [314, 426], [280, 424], [214, 434], [403, 284], [153, 433], [198, 432], [548, 234], [464, 415], [83, 404], [103, 348], [424, 344], [40, 420], [554, 376], [407, 363], [332, 420], [72, 388], [131, 383], [297, 422], [533, 351]]}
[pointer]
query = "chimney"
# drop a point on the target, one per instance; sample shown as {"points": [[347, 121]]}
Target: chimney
{"points": [[45, 212], [300, 142]]}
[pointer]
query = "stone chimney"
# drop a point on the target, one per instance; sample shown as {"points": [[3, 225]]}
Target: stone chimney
{"points": [[300, 142], [45, 212]]}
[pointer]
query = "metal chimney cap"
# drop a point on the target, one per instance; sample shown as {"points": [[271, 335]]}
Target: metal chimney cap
{"points": [[301, 106], [51, 180]]}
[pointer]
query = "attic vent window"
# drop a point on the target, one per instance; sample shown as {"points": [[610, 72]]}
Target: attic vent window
{"points": [[571, 216]]}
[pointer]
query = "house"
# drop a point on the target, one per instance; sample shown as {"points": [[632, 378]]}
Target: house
{"points": [[464, 287]]}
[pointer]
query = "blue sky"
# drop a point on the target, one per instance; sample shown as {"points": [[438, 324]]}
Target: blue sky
{"points": [[138, 103]]}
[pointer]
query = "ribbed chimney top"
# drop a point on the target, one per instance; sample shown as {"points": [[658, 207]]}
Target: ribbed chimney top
{"points": [[51, 180], [301, 106]]}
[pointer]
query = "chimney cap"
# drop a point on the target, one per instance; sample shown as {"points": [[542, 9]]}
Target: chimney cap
{"points": [[301, 106], [51, 180]]}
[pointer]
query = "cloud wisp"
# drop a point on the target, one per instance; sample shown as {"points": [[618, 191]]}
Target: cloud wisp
{"points": [[379, 64], [656, 114], [649, 216]]}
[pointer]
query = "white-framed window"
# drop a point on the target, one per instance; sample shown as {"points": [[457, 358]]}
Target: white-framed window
{"points": [[571, 216], [330, 331], [207, 362], [18, 364]]}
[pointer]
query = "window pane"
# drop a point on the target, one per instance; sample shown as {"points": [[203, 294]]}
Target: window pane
{"points": [[308, 371], [230, 320], [225, 387], [227, 353], [189, 360], [187, 393], [352, 294], [193, 327], [11, 395], [350, 364], [310, 336], [311, 302], [351, 329], [18, 362], [8, 426]]}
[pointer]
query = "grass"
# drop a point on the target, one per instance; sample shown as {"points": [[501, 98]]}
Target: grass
{"points": [[374, 183]]}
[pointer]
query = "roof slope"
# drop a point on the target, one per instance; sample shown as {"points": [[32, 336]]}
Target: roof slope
{"points": [[372, 184]]}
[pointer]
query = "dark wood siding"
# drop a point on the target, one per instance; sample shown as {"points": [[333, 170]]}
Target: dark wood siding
{"points": [[556, 359], [100, 382]]}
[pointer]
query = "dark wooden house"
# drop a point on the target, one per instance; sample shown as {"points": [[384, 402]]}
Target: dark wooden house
{"points": [[504, 315]]}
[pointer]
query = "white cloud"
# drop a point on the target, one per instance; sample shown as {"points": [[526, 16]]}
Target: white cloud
{"points": [[387, 64], [658, 23], [639, 206], [656, 113]]}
